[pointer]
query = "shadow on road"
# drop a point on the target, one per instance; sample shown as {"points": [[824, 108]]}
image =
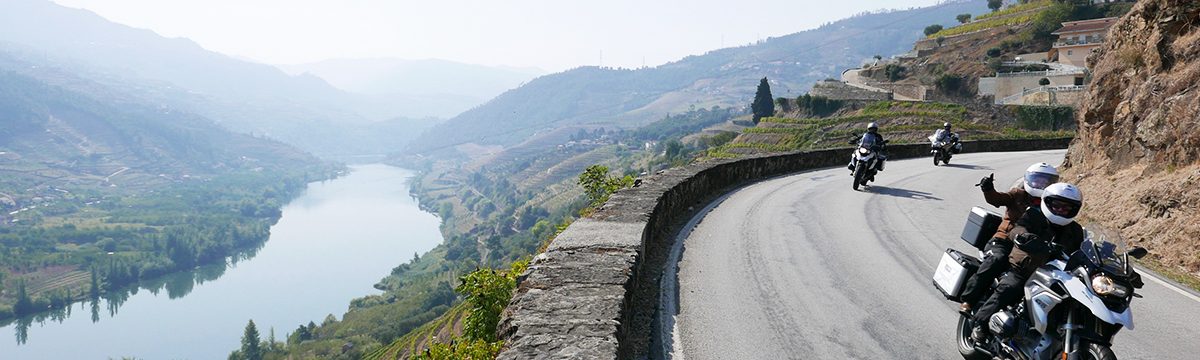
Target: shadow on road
{"points": [[911, 194], [970, 167]]}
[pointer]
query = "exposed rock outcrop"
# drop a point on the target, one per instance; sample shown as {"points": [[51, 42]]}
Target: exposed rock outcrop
{"points": [[1136, 153]]}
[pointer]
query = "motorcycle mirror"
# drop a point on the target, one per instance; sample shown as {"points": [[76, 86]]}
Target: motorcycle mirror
{"points": [[1138, 252]]}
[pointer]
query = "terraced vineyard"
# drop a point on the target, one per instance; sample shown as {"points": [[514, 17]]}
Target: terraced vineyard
{"points": [[900, 122]]}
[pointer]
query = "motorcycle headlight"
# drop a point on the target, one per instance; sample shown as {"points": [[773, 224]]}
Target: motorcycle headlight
{"points": [[1105, 286], [863, 151]]}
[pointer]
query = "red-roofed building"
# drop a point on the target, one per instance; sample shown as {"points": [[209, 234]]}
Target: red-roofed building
{"points": [[1078, 39]]}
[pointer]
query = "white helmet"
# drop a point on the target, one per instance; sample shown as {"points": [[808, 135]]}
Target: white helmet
{"points": [[1038, 176], [872, 127], [1061, 203]]}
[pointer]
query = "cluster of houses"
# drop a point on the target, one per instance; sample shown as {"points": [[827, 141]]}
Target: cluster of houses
{"points": [[1056, 77]]}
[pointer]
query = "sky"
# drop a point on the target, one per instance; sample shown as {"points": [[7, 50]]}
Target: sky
{"points": [[551, 35]]}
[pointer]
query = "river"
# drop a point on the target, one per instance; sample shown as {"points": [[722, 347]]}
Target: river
{"points": [[331, 245]]}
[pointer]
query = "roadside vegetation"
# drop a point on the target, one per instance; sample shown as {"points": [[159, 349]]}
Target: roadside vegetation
{"points": [[902, 122]]}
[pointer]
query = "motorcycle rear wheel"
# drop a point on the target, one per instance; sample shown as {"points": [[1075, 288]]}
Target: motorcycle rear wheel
{"points": [[966, 346]]}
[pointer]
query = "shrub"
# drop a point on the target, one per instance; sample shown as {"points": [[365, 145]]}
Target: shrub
{"points": [[950, 83], [894, 72], [1052, 118], [962, 18], [932, 29], [994, 52]]}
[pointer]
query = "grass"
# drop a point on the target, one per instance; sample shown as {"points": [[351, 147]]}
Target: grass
{"points": [[1176, 275], [1014, 9], [984, 25]]}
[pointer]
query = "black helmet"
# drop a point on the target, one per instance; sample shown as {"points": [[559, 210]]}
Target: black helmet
{"points": [[872, 127], [946, 126]]}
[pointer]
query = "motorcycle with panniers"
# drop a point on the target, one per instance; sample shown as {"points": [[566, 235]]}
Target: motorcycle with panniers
{"points": [[866, 161], [943, 150], [1072, 308]]}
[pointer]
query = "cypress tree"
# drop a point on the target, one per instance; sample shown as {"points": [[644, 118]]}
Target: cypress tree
{"points": [[250, 343], [764, 104]]}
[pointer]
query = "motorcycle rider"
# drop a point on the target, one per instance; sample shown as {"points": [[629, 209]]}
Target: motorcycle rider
{"points": [[944, 134], [1014, 202], [1039, 234], [871, 140]]}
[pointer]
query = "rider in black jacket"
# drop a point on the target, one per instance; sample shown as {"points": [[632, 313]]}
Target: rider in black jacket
{"points": [[871, 140], [1039, 235]]}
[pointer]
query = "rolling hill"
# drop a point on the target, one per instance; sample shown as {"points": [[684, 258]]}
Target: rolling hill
{"points": [[726, 77], [243, 96]]}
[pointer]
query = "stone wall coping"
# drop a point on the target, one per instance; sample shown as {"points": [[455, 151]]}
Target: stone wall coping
{"points": [[593, 293]]}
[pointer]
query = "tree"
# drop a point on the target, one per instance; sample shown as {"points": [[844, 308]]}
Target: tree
{"points": [[995, 5], [949, 83], [785, 104], [94, 292], [894, 72], [24, 304], [763, 105], [598, 186], [251, 349], [933, 29], [963, 18]]}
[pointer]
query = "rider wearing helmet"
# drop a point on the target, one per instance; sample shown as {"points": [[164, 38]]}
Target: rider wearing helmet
{"points": [[1041, 233], [871, 140], [1014, 202], [943, 134]]}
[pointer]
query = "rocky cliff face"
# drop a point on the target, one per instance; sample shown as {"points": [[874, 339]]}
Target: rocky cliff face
{"points": [[1136, 153]]}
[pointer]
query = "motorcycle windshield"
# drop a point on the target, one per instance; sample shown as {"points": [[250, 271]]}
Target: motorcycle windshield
{"points": [[1106, 249]]}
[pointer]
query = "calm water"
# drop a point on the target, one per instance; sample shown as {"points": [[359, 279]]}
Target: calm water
{"points": [[330, 246]]}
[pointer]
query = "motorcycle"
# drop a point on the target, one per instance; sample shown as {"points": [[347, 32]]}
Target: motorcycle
{"points": [[942, 150], [865, 162], [1072, 308]]}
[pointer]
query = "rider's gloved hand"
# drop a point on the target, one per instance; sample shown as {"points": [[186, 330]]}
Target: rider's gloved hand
{"points": [[988, 184]]}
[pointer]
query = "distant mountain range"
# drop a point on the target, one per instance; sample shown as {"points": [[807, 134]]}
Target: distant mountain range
{"points": [[591, 96], [303, 110], [62, 130], [420, 88]]}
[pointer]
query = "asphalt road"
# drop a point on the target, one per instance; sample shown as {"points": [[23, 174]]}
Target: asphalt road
{"points": [[803, 267]]}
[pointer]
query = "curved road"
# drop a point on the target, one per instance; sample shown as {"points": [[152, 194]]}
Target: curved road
{"points": [[803, 267]]}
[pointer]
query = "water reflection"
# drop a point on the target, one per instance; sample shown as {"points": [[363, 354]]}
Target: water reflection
{"points": [[349, 226], [177, 285]]}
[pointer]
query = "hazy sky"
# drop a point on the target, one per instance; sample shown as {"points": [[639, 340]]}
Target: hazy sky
{"points": [[549, 34]]}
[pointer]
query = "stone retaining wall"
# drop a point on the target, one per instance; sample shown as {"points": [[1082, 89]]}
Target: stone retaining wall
{"points": [[838, 90], [593, 293]]}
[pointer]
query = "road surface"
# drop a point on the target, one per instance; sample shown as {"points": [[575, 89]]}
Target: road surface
{"points": [[803, 267]]}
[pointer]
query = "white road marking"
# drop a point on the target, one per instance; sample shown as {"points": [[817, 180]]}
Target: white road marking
{"points": [[1168, 285]]}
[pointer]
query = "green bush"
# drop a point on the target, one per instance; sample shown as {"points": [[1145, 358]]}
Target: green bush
{"points": [[932, 29], [598, 186], [950, 83], [818, 105], [1053, 118]]}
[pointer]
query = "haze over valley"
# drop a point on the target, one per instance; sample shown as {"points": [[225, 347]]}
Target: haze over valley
{"points": [[373, 179]]}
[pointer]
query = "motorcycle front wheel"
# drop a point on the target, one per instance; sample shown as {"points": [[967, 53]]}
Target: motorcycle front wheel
{"points": [[859, 171], [935, 158], [966, 346], [1098, 352]]}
